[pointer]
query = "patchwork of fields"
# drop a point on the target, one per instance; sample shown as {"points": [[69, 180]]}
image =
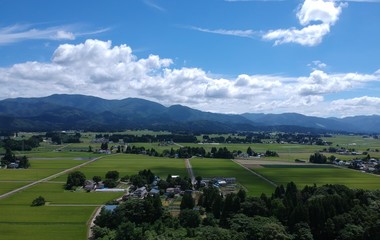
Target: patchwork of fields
{"points": [[319, 175], [67, 213]]}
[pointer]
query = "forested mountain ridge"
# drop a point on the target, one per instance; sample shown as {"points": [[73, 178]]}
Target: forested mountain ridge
{"points": [[62, 112]]}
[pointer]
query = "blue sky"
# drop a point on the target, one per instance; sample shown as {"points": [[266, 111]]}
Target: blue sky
{"points": [[315, 57]]}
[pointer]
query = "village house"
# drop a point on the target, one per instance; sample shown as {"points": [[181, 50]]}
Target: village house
{"points": [[140, 193]]}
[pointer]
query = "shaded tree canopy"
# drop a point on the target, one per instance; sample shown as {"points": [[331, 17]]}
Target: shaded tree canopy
{"points": [[75, 179]]}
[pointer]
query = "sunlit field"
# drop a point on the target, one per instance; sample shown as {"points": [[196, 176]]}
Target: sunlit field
{"points": [[319, 175]]}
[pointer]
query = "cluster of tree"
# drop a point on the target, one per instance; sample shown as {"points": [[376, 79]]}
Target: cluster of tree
{"points": [[131, 220], [318, 158], [338, 149], [269, 153], [129, 138], [183, 183], [250, 152], [239, 138], [75, 179], [62, 137], [221, 153], [188, 152], [112, 179], [100, 135], [22, 145], [9, 157], [104, 146], [142, 178], [183, 152], [142, 150], [78, 179], [301, 138], [327, 212]]}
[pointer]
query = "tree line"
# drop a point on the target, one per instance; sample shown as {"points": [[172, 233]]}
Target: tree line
{"points": [[21, 145], [326, 212]]}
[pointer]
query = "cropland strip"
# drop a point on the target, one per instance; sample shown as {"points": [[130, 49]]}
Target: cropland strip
{"points": [[47, 178], [255, 173], [269, 162]]}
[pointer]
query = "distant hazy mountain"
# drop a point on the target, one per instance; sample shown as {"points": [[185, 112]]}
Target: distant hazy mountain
{"points": [[295, 119], [356, 124], [58, 112], [62, 112]]}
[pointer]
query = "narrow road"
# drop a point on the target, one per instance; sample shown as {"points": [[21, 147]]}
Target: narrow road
{"points": [[47, 178], [91, 221], [255, 173], [62, 147], [189, 169], [177, 144]]}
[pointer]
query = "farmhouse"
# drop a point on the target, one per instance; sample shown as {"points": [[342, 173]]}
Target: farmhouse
{"points": [[13, 165], [89, 185], [175, 190], [154, 191], [140, 193]]}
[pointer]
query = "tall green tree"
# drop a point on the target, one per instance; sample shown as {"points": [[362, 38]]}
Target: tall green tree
{"points": [[189, 218], [8, 156], [75, 179], [249, 151], [114, 175], [187, 201], [24, 162]]}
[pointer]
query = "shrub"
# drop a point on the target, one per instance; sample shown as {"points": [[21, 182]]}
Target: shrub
{"points": [[40, 201]]}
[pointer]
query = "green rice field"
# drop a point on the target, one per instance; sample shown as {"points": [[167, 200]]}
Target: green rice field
{"points": [[206, 167], [67, 213], [319, 175]]}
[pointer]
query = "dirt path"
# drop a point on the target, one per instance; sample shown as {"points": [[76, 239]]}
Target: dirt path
{"points": [[91, 221], [47, 178], [255, 173]]}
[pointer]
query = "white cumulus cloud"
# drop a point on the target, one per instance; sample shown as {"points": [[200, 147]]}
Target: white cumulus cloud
{"points": [[100, 69], [319, 82], [364, 105], [319, 10], [316, 18]]}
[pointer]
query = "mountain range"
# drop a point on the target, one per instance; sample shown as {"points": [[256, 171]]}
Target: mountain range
{"points": [[63, 112]]}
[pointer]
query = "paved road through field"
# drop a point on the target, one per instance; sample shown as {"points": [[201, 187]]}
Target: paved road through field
{"points": [[189, 169], [177, 144]]}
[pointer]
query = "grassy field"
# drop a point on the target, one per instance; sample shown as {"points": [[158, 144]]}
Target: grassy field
{"points": [[6, 186], [129, 164], [206, 167], [60, 231], [61, 155], [18, 218], [357, 142], [319, 175], [15, 178], [69, 219]]}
